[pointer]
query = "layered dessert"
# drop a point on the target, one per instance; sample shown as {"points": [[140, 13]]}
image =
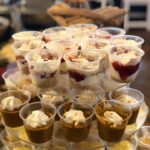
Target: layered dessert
{"points": [[10, 105], [76, 121], [27, 36], [112, 120], [130, 97], [22, 48], [124, 62], [83, 68], [44, 67], [56, 33], [38, 120]]}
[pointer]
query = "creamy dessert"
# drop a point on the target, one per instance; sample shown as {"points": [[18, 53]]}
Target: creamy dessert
{"points": [[56, 33], [76, 121], [112, 120], [124, 62], [120, 41], [10, 105], [27, 36], [44, 66], [22, 48], [38, 120], [145, 140]]}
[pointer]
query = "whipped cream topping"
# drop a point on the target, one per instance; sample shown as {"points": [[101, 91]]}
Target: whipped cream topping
{"points": [[75, 117], [127, 99], [10, 103], [37, 119], [124, 41], [113, 118]]}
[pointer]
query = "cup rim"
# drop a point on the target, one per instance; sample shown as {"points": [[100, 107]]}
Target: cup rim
{"points": [[84, 24], [24, 107], [136, 136], [7, 72], [24, 93], [61, 106]]}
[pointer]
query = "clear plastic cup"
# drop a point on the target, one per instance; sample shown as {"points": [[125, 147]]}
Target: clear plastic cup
{"points": [[27, 36], [22, 48], [109, 32], [110, 132], [136, 94], [83, 73], [76, 133], [124, 63], [44, 67], [130, 40], [8, 113], [84, 27], [56, 33], [39, 134], [142, 136]]}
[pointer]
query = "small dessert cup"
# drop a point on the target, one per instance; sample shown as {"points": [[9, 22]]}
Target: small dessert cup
{"points": [[76, 131], [130, 97], [112, 119], [109, 32], [56, 33], [44, 67], [10, 104], [142, 136], [130, 40], [22, 48], [83, 68], [27, 36], [38, 119], [124, 63]]}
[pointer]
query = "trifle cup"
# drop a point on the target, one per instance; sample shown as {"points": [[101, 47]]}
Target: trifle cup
{"points": [[130, 97], [130, 40], [44, 67], [27, 36], [83, 68], [10, 104], [22, 48], [124, 63], [38, 119], [76, 120], [56, 33], [112, 119], [109, 32]]}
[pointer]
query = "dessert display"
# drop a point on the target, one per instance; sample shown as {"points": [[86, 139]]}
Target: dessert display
{"points": [[112, 119], [10, 104], [56, 33], [76, 120], [27, 36], [130, 97], [43, 67], [124, 62], [38, 120], [21, 49], [128, 40], [109, 32]]}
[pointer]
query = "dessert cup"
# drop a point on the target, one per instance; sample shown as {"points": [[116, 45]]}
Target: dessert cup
{"points": [[44, 67], [38, 119], [109, 32], [74, 132], [21, 49], [130, 97], [56, 33], [124, 63], [142, 136], [130, 40], [10, 104], [112, 119], [27, 36], [84, 68]]}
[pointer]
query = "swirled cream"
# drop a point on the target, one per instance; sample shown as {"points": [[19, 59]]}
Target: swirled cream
{"points": [[124, 42], [10, 103], [37, 119], [74, 117], [113, 118]]}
